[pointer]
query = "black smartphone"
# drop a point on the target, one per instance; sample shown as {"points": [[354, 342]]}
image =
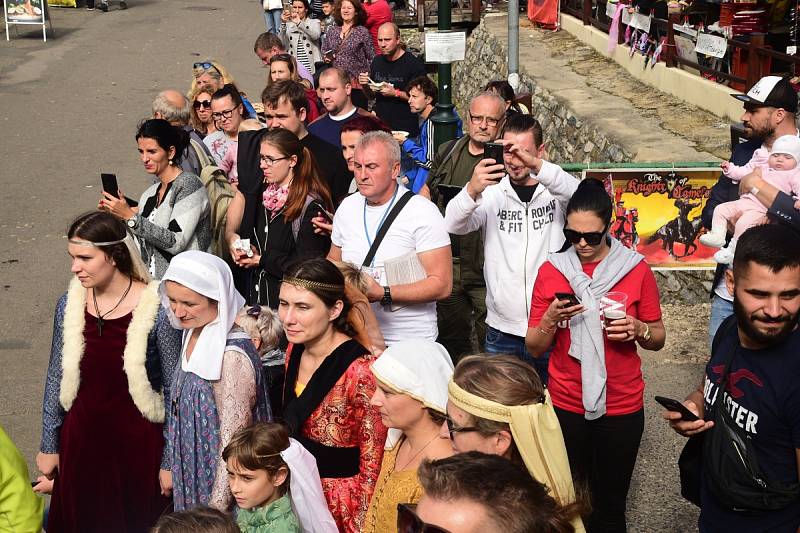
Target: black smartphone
{"points": [[110, 184], [569, 297], [676, 406], [493, 151], [324, 213]]}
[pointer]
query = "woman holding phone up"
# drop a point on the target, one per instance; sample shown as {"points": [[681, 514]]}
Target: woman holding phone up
{"points": [[595, 371]]}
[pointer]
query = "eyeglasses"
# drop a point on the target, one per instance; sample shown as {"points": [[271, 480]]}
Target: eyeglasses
{"points": [[270, 161], [254, 311], [592, 238], [228, 113], [409, 522], [490, 121], [452, 427], [202, 103]]}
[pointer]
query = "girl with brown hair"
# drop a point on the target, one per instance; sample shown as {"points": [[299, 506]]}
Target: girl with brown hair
{"points": [[328, 387], [275, 482], [278, 223], [283, 67]]}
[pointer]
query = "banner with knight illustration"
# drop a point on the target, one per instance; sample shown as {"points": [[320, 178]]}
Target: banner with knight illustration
{"points": [[657, 212]]}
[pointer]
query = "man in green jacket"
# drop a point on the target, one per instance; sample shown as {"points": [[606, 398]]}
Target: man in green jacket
{"points": [[451, 170]]}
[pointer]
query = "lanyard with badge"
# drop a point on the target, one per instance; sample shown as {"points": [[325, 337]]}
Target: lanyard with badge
{"points": [[371, 270]]}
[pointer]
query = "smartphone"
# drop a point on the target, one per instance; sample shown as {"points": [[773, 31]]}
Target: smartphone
{"points": [[110, 184], [676, 406], [327, 215], [493, 151], [568, 297]]}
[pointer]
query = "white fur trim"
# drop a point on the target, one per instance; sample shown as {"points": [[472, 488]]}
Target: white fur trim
{"points": [[149, 402], [73, 346]]}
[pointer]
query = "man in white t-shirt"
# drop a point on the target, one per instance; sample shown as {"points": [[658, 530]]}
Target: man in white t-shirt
{"points": [[403, 310]]}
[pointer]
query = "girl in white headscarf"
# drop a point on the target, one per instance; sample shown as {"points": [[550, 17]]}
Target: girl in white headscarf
{"points": [[411, 396], [218, 387]]}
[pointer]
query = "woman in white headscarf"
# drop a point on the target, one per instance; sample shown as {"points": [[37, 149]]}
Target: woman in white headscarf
{"points": [[411, 396], [218, 387]]}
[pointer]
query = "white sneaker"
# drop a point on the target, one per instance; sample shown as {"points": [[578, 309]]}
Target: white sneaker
{"points": [[724, 256], [713, 239]]}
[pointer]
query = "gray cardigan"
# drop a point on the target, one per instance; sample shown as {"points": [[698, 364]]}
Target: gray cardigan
{"points": [[309, 32], [181, 222]]}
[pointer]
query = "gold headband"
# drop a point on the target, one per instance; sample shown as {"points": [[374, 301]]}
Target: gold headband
{"points": [[308, 284], [536, 432], [96, 244]]}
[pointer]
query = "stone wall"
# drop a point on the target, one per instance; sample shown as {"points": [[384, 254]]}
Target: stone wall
{"points": [[569, 138]]}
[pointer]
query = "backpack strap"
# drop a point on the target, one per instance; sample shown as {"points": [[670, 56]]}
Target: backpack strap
{"points": [[202, 155], [299, 220], [727, 325], [384, 229]]}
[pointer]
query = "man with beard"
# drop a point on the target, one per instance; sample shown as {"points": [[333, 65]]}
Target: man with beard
{"points": [[769, 112], [762, 343]]}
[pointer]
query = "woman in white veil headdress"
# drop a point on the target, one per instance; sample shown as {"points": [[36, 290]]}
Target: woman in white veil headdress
{"points": [[218, 386]]}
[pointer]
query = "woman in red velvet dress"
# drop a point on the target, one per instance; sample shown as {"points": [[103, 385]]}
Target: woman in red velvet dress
{"points": [[328, 388], [111, 362]]}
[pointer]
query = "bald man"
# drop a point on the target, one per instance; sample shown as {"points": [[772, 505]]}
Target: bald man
{"points": [[394, 68], [172, 106]]}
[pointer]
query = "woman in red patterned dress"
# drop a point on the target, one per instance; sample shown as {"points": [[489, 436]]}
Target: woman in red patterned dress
{"points": [[328, 388]]}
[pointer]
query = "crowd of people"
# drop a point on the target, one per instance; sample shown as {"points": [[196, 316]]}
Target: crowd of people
{"points": [[313, 320]]}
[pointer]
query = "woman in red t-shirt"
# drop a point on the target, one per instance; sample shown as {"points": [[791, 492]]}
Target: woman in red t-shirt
{"points": [[595, 373]]}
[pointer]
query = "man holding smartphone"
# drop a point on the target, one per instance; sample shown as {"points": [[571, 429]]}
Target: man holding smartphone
{"points": [[518, 204], [452, 167], [759, 345]]}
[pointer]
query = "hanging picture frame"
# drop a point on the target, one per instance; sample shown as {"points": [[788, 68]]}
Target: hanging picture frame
{"points": [[26, 13]]}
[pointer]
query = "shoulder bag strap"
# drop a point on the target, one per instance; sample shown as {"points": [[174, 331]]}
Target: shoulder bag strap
{"points": [[385, 227]]}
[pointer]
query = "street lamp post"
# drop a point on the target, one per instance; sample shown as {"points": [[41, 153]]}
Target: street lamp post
{"points": [[444, 118]]}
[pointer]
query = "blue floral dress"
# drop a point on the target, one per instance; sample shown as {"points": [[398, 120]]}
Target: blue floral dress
{"points": [[203, 417]]}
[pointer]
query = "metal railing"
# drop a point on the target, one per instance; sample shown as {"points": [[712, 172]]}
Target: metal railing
{"points": [[755, 57]]}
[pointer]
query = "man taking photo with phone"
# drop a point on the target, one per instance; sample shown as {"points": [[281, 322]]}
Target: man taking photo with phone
{"points": [[518, 204], [755, 418]]}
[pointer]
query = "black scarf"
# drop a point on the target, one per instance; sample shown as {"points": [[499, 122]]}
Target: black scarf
{"points": [[333, 462]]}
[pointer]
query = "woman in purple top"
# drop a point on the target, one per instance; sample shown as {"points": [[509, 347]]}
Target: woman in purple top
{"points": [[348, 44]]}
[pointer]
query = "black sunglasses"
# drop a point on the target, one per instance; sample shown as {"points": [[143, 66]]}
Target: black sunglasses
{"points": [[205, 65], [202, 103], [409, 522], [592, 238], [452, 427]]}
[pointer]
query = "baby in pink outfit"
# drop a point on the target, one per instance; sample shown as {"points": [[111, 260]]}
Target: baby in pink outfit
{"points": [[778, 168]]}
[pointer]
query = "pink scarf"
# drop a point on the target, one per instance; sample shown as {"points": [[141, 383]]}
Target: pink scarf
{"points": [[613, 30], [275, 197]]}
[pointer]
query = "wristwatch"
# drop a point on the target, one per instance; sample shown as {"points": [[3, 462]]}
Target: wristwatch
{"points": [[646, 335], [386, 301], [133, 221]]}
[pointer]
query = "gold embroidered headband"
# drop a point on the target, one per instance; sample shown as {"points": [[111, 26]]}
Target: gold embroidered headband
{"points": [[309, 284]]}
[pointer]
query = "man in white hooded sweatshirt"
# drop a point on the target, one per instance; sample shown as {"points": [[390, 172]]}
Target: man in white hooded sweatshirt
{"points": [[519, 207]]}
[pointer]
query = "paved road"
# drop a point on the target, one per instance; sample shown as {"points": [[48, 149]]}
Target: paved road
{"points": [[70, 109]]}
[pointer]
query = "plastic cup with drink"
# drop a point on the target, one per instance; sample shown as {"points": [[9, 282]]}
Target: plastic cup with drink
{"points": [[613, 306]]}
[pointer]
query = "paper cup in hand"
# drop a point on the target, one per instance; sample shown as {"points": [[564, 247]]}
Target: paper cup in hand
{"points": [[399, 135], [613, 306]]}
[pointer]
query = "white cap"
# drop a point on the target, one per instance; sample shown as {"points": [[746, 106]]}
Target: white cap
{"points": [[789, 145]]}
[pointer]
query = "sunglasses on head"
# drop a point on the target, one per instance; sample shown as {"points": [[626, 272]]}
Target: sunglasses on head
{"points": [[592, 238], [202, 103], [409, 522], [205, 65]]}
